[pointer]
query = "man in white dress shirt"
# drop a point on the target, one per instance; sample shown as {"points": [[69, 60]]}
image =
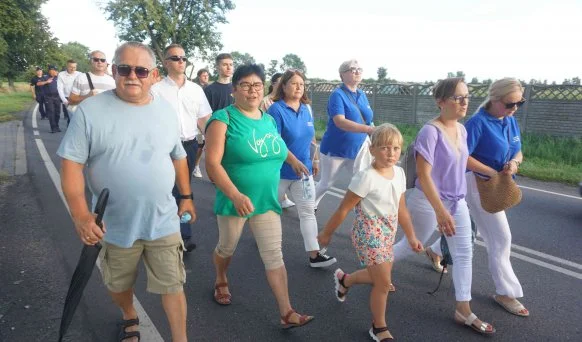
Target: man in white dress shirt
{"points": [[193, 112], [65, 84]]}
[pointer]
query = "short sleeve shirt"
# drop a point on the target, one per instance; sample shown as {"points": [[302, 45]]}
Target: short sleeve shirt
{"points": [[491, 140], [219, 95], [38, 90], [253, 155], [129, 150], [297, 130], [337, 142], [448, 160], [101, 84], [380, 196], [188, 101]]}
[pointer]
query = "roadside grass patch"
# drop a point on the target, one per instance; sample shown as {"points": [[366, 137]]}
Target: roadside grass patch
{"points": [[12, 102]]}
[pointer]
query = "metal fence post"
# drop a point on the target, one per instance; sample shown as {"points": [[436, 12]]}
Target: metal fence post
{"points": [[527, 95], [414, 103]]}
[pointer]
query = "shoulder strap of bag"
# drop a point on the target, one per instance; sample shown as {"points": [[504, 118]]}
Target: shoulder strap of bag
{"points": [[90, 82], [351, 97]]}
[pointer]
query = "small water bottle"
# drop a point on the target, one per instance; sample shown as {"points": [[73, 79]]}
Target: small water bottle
{"points": [[307, 191], [185, 218]]}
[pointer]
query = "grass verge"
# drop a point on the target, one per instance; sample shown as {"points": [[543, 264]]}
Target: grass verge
{"points": [[14, 101], [546, 158]]}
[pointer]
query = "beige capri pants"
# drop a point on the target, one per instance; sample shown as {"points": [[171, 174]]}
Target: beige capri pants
{"points": [[266, 229]]}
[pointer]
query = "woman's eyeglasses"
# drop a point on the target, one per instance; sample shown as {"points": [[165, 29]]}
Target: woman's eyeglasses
{"points": [[460, 98], [513, 104], [355, 70], [97, 60], [140, 72], [246, 86], [177, 58]]}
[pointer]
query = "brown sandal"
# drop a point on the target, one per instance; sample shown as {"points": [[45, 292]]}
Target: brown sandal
{"points": [[303, 319], [219, 297]]}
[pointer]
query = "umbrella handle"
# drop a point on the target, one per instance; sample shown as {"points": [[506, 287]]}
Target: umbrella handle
{"points": [[100, 207]]}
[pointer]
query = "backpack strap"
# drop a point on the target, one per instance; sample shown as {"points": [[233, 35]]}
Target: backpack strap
{"points": [[353, 100], [91, 87]]}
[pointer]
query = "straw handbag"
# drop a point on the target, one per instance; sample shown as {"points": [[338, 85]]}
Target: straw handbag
{"points": [[498, 193]]}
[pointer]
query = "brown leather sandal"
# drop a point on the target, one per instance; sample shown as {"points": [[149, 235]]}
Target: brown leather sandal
{"points": [[219, 297], [303, 319]]}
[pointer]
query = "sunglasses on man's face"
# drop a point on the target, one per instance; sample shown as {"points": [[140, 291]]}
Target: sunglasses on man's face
{"points": [[513, 104], [177, 58], [140, 72], [97, 60]]}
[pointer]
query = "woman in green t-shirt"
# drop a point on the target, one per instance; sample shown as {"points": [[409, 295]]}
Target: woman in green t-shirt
{"points": [[244, 155]]}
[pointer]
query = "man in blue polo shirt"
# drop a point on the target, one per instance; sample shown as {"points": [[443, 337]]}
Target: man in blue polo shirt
{"points": [[52, 101], [37, 91]]}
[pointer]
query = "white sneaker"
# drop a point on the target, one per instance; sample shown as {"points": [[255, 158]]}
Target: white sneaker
{"points": [[196, 173], [287, 203]]}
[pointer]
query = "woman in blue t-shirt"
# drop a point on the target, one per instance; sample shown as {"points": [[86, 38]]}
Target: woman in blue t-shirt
{"points": [[292, 114], [494, 143], [350, 120]]}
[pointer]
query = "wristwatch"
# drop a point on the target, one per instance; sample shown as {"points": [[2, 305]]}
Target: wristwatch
{"points": [[190, 196]]}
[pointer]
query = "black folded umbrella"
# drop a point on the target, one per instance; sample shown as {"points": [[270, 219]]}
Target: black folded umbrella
{"points": [[83, 270], [447, 258]]}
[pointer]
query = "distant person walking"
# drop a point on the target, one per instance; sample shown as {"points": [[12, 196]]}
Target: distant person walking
{"points": [[189, 102], [130, 143], [349, 122], [203, 77], [94, 82], [377, 193], [267, 102], [36, 88], [245, 155], [494, 142], [65, 85], [52, 102], [219, 93], [295, 125]]}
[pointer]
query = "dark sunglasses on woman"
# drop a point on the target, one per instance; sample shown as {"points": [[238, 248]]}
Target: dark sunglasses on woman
{"points": [[140, 72], [513, 104]]}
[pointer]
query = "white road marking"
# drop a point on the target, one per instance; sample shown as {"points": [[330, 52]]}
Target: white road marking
{"points": [[35, 132], [149, 333], [551, 192], [34, 124], [540, 263]]}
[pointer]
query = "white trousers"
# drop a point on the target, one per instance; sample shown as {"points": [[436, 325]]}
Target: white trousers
{"points": [[460, 246], [305, 210], [494, 229], [330, 171]]}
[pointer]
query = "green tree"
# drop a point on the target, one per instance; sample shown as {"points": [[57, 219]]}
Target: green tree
{"points": [[239, 58], [292, 61], [25, 38], [272, 68], [191, 23], [474, 80], [576, 80], [78, 52], [382, 73]]}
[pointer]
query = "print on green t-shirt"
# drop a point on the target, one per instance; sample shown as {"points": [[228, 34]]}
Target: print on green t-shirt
{"points": [[253, 155]]}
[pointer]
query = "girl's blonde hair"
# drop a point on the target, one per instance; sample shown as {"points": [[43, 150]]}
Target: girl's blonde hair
{"points": [[386, 134], [499, 89]]}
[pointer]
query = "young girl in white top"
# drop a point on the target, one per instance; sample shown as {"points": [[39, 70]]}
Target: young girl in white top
{"points": [[377, 194]]}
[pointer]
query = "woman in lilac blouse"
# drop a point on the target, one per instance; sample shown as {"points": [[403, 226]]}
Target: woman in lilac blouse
{"points": [[438, 199]]}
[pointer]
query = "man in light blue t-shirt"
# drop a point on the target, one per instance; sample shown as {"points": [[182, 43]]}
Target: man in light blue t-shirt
{"points": [[130, 142]]}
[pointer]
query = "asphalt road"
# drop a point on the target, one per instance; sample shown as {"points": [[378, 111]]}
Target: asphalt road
{"points": [[39, 238]]}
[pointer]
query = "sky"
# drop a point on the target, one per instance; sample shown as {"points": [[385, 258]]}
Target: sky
{"points": [[415, 40]]}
